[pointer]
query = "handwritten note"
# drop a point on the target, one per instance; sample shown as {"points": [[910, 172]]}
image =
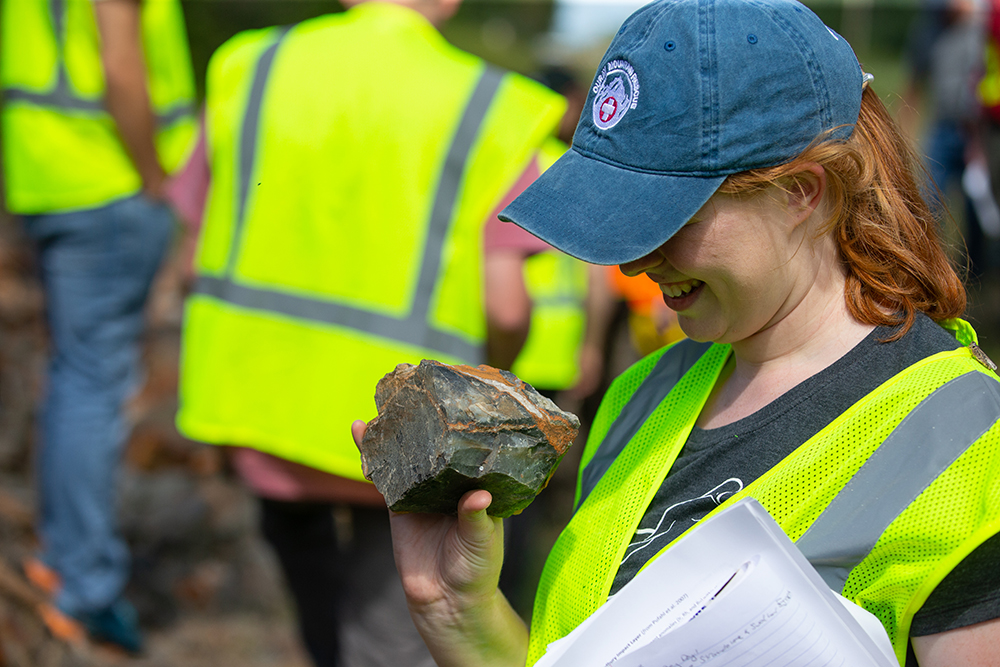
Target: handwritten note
{"points": [[734, 592]]}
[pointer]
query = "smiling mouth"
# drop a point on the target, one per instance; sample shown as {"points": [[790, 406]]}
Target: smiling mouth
{"points": [[675, 290]]}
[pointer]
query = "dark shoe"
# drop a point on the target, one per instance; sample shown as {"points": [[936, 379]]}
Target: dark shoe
{"points": [[117, 624]]}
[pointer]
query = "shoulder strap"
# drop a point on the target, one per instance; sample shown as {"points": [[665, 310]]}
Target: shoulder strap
{"points": [[581, 567], [665, 375]]}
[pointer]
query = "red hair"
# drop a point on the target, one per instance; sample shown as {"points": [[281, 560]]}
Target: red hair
{"points": [[887, 236]]}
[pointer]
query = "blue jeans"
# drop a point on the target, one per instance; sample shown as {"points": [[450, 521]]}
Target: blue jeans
{"points": [[96, 268], [946, 164]]}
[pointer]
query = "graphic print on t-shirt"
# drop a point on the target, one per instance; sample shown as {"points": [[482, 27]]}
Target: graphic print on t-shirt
{"points": [[684, 512]]}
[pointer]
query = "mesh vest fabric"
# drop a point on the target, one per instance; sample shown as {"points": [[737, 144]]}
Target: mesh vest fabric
{"points": [[580, 569], [945, 523], [942, 525], [557, 285], [61, 148], [366, 283]]}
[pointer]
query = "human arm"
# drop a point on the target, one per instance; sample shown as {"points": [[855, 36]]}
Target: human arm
{"points": [[506, 300], [971, 646], [960, 608], [449, 567], [187, 192], [126, 90], [507, 305], [600, 310]]}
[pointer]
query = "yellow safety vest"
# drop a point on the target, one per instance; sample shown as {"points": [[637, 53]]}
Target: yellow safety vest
{"points": [[355, 158], [557, 285], [989, 86], [61, 148], [920, 452]]}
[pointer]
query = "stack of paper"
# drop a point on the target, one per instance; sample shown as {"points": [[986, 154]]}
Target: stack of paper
{"points": [[735, 591]]}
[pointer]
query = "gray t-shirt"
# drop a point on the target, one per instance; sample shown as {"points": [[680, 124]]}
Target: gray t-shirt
{"points": [[716, 463]]}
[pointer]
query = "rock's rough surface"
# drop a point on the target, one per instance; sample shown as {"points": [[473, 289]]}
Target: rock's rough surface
{"points": [[443, 430]]}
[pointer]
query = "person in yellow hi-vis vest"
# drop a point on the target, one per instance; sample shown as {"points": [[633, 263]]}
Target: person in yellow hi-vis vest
{"points": [[98, 110], [355, 160], [558, 286], [571, 304], [734, 152], [988, 92], [562, 359]]}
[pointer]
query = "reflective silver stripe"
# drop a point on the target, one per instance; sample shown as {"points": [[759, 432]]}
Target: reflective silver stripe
{"points": [[414, 329], [665, 375], [248, 141], [57, 13], [928, 440], [62, 98], [170, 116], [321, 311], [448, 185], [558, 301]]}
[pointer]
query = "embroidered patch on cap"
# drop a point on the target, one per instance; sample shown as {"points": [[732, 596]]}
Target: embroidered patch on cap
{"points": [[616, 90]]}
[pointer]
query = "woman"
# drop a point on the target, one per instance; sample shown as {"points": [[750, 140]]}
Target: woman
{"points": [[732, 151]]}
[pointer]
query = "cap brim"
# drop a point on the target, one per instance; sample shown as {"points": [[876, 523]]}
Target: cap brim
{"points": [[605, 214]]}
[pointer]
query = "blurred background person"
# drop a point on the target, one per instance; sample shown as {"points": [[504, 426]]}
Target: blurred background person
{"points": [[571, 303], [562, 358], [355, 160], [650, 324], [944, 56], [97, 111], [989, 95]]}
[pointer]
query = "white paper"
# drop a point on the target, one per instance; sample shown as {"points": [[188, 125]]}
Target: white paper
{"points": [[870, 624], [735, 592]]}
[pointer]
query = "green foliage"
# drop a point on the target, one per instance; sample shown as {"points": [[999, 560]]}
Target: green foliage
{"points": [[501, 31], [507, 32], [879, 35], [211, 22]]}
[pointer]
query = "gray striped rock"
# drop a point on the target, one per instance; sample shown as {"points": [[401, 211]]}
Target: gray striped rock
{"points": [[444, 430]]}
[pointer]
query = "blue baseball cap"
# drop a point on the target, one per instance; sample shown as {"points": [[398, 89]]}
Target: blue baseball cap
{"points": [[689, 92]]}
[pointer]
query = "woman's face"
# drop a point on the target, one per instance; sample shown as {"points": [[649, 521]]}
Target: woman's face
{"points": [[736, 268]]}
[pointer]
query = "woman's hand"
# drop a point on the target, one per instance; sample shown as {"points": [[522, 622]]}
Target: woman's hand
{"points": [[449, 566]]}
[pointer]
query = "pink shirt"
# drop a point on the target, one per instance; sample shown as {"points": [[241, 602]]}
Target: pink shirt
{"points": [[499, 235]]}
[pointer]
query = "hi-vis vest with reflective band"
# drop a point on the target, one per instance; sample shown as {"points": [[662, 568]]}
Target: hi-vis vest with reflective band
{"points": [[989, 85], [884, 501], [355, 158], [557, 285], [61, 148]]}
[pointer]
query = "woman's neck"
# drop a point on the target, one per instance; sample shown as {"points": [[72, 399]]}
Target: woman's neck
{"points": [[769, 363]]}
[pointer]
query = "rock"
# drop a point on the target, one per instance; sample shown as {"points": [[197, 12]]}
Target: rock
{"points": [[444, 430]]}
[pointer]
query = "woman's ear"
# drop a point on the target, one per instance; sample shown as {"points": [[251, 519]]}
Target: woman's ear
{"points": [[806, 190]]}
